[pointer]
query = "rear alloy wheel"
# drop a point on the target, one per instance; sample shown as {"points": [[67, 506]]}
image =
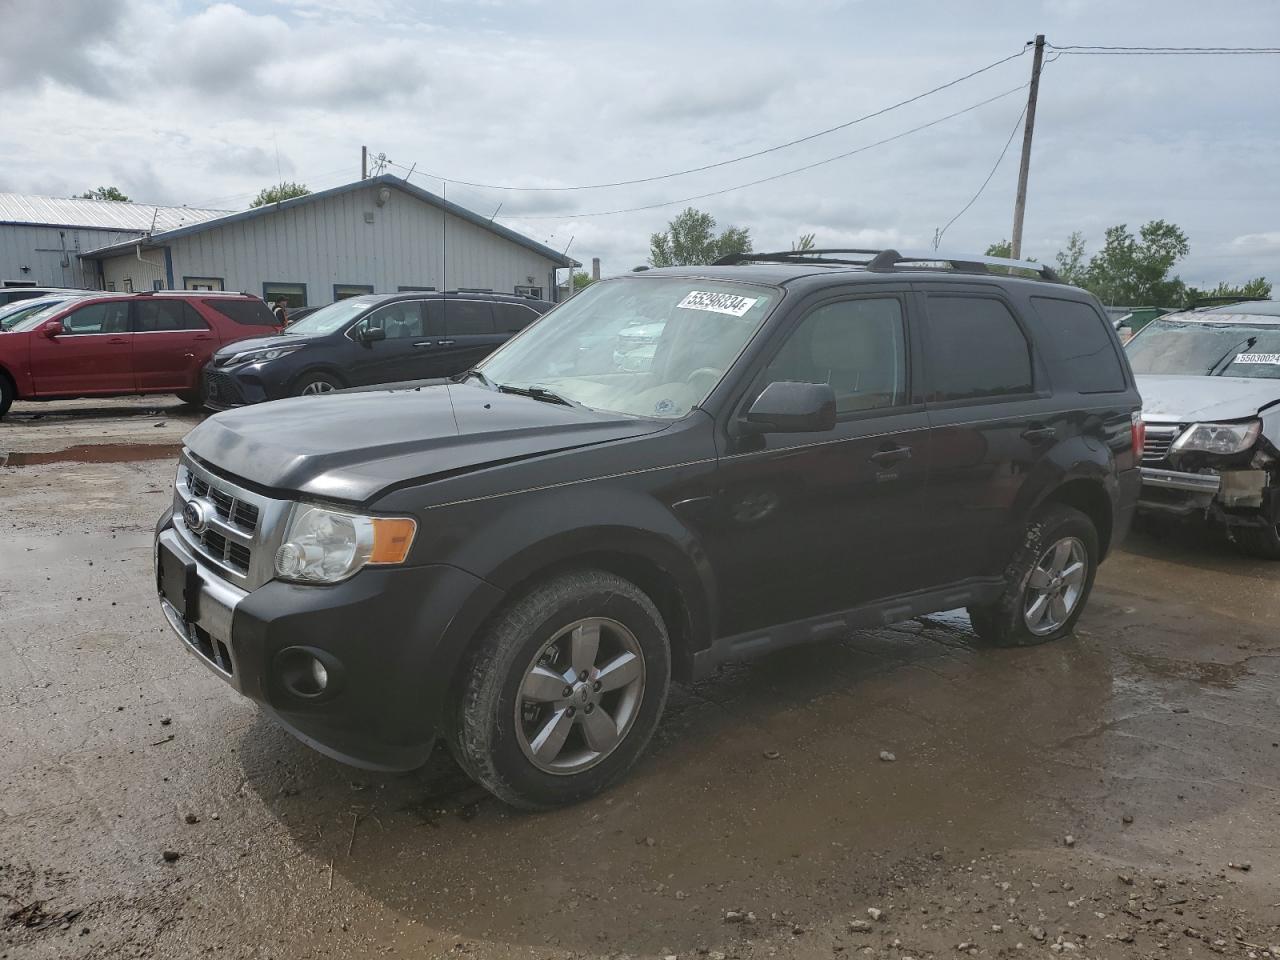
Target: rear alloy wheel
{"points": [[1047, 583], [563, 690], [313, 384]]}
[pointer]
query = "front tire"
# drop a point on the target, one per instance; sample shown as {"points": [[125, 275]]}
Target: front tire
{"points": [[7, 394], [1048, 582], [312, 384], [1263, 542], [563, 691]]}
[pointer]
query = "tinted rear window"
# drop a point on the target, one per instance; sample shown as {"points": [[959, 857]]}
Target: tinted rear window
{"points": [[976, 349], [467, 317], [1082, 341], [250, 313], [159, 316], [513, 317]]}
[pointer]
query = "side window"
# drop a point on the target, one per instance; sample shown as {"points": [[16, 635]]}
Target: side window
{"points": [[250, 313], [398, 320], [156, 316], [109, 317], [1083, 344], [464, 318], [857, 346], [512, 318], [976, 349]]}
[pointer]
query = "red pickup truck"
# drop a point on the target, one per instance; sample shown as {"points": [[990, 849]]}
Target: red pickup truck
{"points": [[122, 344]]}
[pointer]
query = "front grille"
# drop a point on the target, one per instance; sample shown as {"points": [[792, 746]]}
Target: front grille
{"points": [[221, 389], [240, 530], [1159, 440]]}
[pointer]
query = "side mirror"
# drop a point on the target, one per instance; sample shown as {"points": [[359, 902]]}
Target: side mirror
{"points": [[52, 329], [372, 334], [789, 407]]}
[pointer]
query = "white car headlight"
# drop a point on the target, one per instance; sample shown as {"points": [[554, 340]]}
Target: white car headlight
{"points": [[325, 546], [258, 356], [1224, 438]]}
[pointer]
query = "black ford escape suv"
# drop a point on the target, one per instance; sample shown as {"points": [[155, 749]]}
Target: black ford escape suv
{"points": [[520, 560]]}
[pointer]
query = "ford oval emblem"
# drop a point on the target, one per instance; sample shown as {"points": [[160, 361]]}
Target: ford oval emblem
{"points": [[195, 516]]}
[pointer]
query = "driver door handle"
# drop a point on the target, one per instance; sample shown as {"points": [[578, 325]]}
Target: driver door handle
{"points": [[892, 455], [445, 343], [1038, 433], [425, 343]]}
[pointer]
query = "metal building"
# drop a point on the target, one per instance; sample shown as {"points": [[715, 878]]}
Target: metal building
{"points": [[41, 238], [379, 235]]}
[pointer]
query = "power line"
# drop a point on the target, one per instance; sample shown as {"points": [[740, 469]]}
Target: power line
{"points": [[776, 176], [1087, 50], [725, 163], [937, 239]]}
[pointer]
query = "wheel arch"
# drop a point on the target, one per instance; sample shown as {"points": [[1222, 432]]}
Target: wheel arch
{"points": [[325, 369], [1090, 497]]}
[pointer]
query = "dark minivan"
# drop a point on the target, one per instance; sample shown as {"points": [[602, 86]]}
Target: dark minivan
{"points": [[371, 339], [520, 560]]}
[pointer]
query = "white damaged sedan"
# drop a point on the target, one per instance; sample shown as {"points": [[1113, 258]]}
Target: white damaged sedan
{"points": [[1210, 385]]}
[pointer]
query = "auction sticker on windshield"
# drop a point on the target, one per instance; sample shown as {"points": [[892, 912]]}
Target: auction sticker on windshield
{"points": [[730, 303], [1271, 358]]}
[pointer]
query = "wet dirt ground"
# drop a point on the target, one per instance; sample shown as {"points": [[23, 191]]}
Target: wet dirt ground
{"points": [[1100, 797]]}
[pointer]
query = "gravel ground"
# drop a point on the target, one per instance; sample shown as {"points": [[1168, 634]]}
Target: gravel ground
{"points": [[1114, 794]]}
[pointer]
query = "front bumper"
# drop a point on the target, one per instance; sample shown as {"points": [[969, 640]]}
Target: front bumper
{"points": [[225, 388], [1232, 496], [389, 638]]}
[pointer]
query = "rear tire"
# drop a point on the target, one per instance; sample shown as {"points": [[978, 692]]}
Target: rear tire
{"points": [[563, 691], [310, 384], [7, 394], [1263, 542], [1047, 583]]}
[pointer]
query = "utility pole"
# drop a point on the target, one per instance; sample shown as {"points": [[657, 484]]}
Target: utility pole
{"points": [[364, 163], [1020, 204]]}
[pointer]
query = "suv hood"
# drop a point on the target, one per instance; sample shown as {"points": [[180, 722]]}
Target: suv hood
{"points": [[351, 446], [1190, 399], [257, 343]]}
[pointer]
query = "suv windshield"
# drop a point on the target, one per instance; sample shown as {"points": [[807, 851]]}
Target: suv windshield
{"points": [[590, 350], [331, 318], [1234, 349]]}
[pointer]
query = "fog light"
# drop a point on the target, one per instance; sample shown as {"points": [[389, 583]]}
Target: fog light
{"points": [[319, 675]]}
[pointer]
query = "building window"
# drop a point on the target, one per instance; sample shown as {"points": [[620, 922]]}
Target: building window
{"points": [[293, 294], [528, 291], [203, 283], [128, 284], [157, 284], [341, 291], [111, 286]]}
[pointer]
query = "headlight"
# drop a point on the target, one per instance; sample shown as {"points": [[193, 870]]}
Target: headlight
{"points": [[1222, 438], [325, 546], [258, 356]]}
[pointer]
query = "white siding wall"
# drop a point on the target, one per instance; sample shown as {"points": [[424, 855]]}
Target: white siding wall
{"points": [[126, 266], [41, 249], [328, 242]]}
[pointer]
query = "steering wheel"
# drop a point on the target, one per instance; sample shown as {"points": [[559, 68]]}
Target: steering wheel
{"points": [[709, 371]]}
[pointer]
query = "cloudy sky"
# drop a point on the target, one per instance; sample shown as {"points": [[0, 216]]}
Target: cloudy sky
{"points": [[202, 104]]}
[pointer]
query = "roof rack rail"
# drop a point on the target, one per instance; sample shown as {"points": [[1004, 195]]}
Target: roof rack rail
{"points": [[888, 260], [892, 260]]}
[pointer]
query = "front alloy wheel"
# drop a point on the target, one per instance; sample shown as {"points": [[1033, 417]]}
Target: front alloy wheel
{"points": [[562, 690], [580, 696]]}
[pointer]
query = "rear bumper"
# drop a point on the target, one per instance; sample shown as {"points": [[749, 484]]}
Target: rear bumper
{"points": [[389, 640]]}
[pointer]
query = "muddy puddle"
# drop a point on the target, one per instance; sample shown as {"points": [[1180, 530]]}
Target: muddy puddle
{"points": [[94, 453]]}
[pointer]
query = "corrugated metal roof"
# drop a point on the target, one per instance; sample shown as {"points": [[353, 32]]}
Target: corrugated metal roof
{"points": [[99, 214]]}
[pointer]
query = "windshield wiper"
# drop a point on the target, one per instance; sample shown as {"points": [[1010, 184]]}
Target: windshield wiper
{"points": [[537, 393], [1222, 361]]}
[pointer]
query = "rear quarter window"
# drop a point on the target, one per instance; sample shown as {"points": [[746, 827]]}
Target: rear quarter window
{"points": [[248, 313], [976, 349], [1082, 341]]}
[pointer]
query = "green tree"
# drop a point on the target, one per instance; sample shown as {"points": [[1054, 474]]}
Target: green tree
{"points": [[690, 238], [1001, 249], [1135, 271], [1256, 288], [103, 193], [1071, 263], [285, 190], [806, 242], [581, 281]]}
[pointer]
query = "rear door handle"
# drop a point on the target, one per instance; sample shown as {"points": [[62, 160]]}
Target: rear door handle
{"points": [[892, 455], [425, 343], [1036, 434], [445, 343]]}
